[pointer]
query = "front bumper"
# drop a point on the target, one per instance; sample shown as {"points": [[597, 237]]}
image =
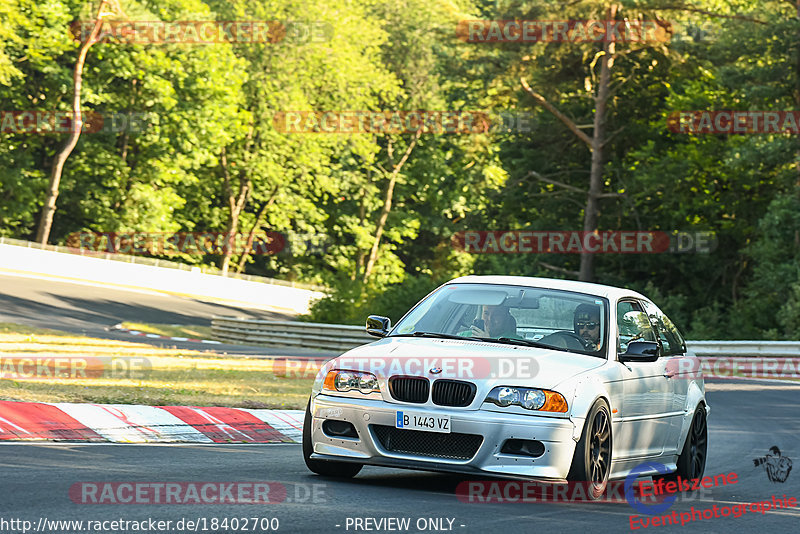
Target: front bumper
{"points": [[494, 428]]}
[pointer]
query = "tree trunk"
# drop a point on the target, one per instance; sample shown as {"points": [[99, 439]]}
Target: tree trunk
{"points": [[49, 209], [251, 236], [362, 215], [797, 99], [387, 206], [592, 209], [236, 204], [596, 144]]}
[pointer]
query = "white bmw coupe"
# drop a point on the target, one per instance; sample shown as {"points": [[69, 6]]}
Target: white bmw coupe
{"points": [[527, 378]]}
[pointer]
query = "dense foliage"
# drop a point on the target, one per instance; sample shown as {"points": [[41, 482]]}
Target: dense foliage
{"points": [[385, 207]]}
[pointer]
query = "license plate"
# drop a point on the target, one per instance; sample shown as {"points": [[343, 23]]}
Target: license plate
{"points": [[423, 421]]}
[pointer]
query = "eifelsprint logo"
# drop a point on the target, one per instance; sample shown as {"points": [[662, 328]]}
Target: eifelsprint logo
{"points": [[667, 487]]}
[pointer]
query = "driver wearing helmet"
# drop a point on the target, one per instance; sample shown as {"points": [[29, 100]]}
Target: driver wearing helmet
{"points": [[587, 325]]}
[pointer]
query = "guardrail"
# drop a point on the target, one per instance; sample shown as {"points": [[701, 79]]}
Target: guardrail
{"points": [[345, 337], [766, 349], [289, 333]]}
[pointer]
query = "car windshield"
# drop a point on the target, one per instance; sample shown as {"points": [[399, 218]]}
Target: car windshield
{"points": [[559, 320]]}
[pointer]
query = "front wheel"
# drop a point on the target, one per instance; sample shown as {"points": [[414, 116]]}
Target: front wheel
{"points": [[592, 461], [326, 468], [692, 461]]}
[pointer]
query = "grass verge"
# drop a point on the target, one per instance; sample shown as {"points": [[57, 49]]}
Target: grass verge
{"points": [[163, 376], [171, 330]]}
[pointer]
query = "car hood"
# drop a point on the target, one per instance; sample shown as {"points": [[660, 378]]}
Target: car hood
{"points": [[486, 364]]}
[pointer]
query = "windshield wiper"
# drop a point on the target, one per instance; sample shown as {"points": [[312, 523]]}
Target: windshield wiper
{"points": [[523, 342], [440, 335], [530, 343]]}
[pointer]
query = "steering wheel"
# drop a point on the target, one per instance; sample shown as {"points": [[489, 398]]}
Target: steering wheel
{"points": [[571, 340], [461, 324]]}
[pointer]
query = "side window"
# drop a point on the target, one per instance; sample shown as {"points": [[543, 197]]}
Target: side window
{"points": [[674, 335], [671, 339], [632, 324]]}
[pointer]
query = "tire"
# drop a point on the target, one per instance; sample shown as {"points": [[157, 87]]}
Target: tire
{"points": [[327, 468], [692, 460], [591, 463]]}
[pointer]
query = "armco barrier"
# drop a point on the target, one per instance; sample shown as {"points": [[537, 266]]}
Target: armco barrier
{"points": [[345, 337], [289, 333], [158, 275], [767, 349]]}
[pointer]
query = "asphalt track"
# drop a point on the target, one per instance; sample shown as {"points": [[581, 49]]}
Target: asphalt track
{"points": [[747, 418], [90, 310]]}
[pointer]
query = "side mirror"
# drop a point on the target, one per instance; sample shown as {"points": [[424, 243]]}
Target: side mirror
{"points": [[378, 325], [641, 351]]}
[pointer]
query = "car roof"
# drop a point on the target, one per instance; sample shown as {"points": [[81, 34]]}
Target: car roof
{"points": [[610, 292]]}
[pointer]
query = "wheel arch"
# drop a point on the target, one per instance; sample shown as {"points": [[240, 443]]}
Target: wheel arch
{"points": [[695, 397], [588, 390]]}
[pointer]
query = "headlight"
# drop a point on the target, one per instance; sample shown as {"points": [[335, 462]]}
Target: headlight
{"points": [[534, 399], [507, 396], [531, 399], [367, 383], [344, 381]]}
